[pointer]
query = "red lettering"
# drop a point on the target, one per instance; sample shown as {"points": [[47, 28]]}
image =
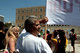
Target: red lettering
{"points": [[77, 1], [59, 3], [70, 6], [67, 6]]}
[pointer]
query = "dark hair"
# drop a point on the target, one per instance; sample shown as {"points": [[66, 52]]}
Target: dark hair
{"points": [[1, 25], [72, 30], [48, 31], [61, 33], [49, 41], [28, 25], [49, 37], [62, 43], [55, 33]]}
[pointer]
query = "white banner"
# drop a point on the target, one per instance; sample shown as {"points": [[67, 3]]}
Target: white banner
{"points": [[65, 12]]}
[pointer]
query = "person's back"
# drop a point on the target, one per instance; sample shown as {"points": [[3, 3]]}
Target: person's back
{"points": [[61, 41], [61, 47], [27, 43]]}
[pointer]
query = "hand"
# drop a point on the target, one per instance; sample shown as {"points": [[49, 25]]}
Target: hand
{"points": [[43, 20]]}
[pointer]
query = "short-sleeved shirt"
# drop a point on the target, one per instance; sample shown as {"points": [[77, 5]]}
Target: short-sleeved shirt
{"points": [[55, 40], [28, 43]]}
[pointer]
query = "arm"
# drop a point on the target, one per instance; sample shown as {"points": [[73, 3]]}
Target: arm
{"points": [[45, 47], [11, 45], [43, 20], [55, 43]]}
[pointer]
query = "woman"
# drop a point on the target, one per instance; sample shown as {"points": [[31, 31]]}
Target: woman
{"points": [[60, 41], [50, 43], [11, 37], [54, 40]]}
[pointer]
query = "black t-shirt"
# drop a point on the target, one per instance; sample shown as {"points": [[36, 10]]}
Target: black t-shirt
{"points": [[61, 46], [2, 37], [72, 36]]}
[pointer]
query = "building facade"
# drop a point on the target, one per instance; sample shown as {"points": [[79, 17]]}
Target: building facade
{"points": [[23, 13]]}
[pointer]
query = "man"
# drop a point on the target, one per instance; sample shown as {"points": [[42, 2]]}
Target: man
{"points": [[72, 38], [29, 42], [43, 21]]}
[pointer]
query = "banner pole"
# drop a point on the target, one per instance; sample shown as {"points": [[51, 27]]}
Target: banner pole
{"points": [[45, 31], [46, 23]]}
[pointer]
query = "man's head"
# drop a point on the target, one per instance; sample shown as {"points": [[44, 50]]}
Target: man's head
{"points": [[32, 24]]}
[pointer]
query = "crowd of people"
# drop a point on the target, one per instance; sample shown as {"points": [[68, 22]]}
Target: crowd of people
{"points": [[32, 40], [8, 38]]}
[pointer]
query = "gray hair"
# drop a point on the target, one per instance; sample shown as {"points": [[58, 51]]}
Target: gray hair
{"points": [[28, 25]]}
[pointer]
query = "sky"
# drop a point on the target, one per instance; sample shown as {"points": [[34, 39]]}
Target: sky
{"points": [[8, 7]]}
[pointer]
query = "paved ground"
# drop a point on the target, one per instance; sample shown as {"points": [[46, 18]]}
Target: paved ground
{"points": [[69, 48]]}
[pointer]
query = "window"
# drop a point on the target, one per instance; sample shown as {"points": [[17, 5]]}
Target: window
{"points": [[18, 17], [41, 9], [31, 10], [18, 11], [22, 17], [22, 11], [36, 10], [27, 10], [40, 16]]}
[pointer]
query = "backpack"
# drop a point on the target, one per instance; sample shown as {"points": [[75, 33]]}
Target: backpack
{"points": [[75, 36]]}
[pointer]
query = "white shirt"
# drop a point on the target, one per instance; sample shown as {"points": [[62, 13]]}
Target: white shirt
{"points": [[28, 43], [23, 31]]}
